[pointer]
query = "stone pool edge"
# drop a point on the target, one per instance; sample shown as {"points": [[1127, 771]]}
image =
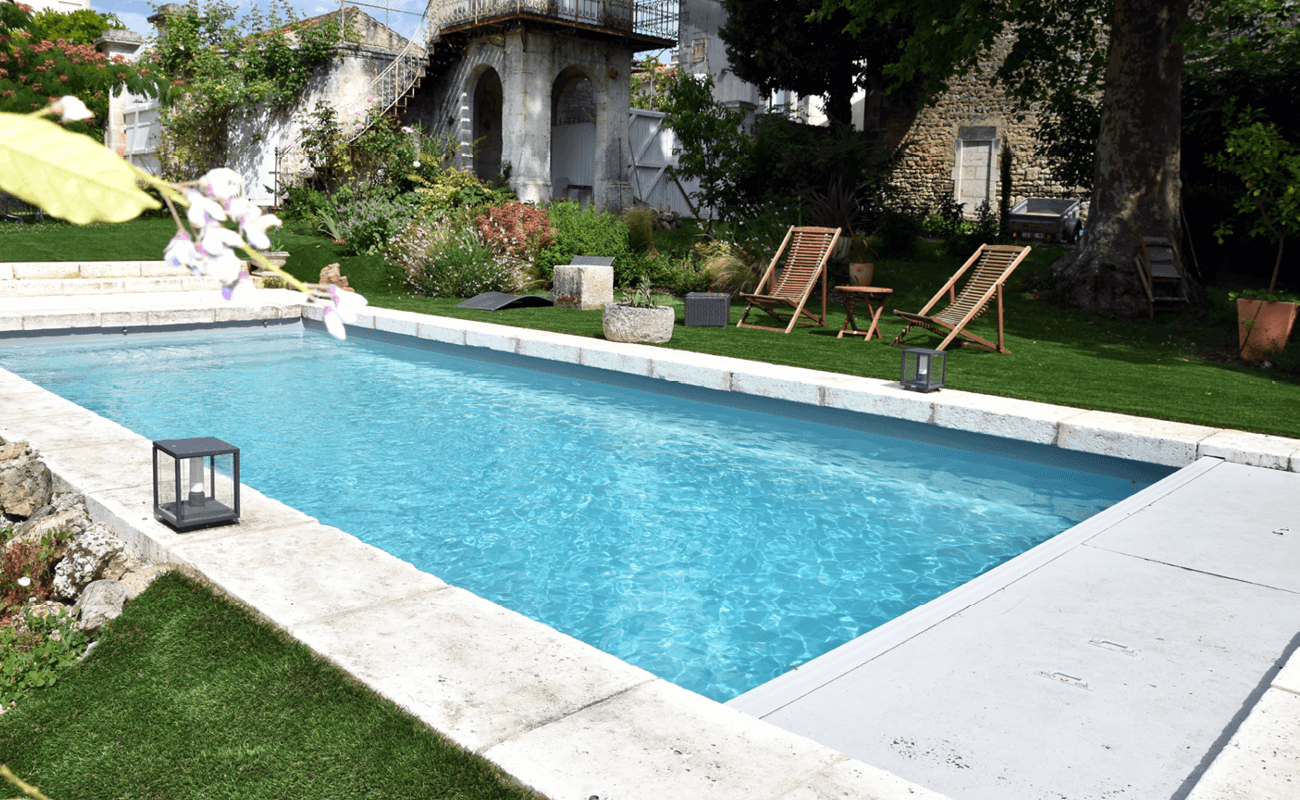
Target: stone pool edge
{"points": [[584, 723]]}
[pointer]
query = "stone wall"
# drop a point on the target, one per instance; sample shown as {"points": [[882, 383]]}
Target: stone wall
{"points": [[950, 138]]}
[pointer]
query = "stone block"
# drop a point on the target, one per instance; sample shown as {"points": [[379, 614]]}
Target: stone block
{"points": [[402, 323], [111, 269], [854, 779], [45, 270], [6, 272], [439, 330], [161, 269], [56, 321], [1007, 417], [882, 398], [659, 740], [1253, 449], [183, 316], [497, 339], [779, 382], [615, 357], [476, 672], [124, 318], [584, 287], [693, 369], [1154, 441], [1260, 761], [93, 286], [11, 321], [550, 346], [32, 288]]}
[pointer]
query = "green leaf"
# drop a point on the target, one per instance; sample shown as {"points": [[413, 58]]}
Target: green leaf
{"points": [[69, 175]]}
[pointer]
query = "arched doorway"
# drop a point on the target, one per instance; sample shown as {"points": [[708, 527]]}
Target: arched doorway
{"points": [[573, 137], [487, 125]]}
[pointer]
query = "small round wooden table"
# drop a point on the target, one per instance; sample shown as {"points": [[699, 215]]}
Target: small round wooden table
{"points": [[873, 297]]}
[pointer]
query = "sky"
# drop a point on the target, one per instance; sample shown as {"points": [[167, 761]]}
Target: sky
{"points": [[135, 13]]}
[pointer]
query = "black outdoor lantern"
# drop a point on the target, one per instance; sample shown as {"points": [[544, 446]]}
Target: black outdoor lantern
{"points": [[195, 483], [924, 370]]}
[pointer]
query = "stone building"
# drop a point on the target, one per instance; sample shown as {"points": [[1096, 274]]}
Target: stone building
{"points": [[540, 86]]}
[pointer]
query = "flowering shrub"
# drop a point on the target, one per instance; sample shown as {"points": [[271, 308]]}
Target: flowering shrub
{"points": [[367, 224], [593, 232], [439, 258], [515, 229], [33, 70]]}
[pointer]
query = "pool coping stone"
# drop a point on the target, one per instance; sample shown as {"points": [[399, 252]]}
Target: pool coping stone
{"points": [[564, 752]]}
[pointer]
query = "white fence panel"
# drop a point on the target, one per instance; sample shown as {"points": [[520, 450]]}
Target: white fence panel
{"points": [[652, 145]]}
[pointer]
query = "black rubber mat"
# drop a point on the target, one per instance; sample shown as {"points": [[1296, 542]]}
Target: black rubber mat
{"points": [[495, 301]]}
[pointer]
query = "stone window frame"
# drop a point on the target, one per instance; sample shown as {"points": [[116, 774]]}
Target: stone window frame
{"points": [[968, 135]]}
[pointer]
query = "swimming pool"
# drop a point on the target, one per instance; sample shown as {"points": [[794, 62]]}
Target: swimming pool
{"points": [[714, 546]]}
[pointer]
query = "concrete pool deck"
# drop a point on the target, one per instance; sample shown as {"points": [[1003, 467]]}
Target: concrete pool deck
{"points": [[1188, 577]]}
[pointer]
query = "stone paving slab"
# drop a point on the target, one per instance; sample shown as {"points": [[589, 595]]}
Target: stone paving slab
{"points": [[293, 574], [473, 670], [1262, 760], [642, 743], [1153, 440]]}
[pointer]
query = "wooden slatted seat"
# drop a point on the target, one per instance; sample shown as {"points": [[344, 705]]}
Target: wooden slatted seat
{"points": [[989, 269], [1161, 272], [806, 251]]}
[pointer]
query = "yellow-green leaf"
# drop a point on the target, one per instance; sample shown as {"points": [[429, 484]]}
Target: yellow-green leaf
{"points": [[69, 175]]}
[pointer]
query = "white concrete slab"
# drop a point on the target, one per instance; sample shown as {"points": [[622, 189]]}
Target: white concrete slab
{"points": [[778, 382], [478, 673], [883, 398], [964, 710], [1205, 526]]}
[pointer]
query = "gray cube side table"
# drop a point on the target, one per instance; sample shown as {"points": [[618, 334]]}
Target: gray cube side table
{"points": [[708, 309]]}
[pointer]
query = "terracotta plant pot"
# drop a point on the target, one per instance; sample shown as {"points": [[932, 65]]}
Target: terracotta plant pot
{"points": [[861, 274], [1263, 326]]}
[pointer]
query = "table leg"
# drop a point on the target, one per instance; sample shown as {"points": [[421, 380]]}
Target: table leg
{"points": [[850, 325], [875, 311]]}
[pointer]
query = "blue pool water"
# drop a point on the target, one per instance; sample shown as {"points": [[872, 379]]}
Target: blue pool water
{"points": [[717, 547]]}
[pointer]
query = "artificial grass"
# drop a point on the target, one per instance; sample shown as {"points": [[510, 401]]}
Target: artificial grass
{"points": [[187, 695], [140, 239]]}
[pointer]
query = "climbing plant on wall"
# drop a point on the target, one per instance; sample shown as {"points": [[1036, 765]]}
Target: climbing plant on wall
{"points": [[226, 65]]}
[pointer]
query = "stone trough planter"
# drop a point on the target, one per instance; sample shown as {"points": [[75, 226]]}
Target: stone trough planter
{"points": [[631, 324]]}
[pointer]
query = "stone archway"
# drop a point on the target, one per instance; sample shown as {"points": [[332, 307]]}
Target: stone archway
{"points": [[573, 136], [486, 108]]}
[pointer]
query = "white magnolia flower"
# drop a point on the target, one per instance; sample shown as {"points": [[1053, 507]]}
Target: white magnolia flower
{"points": [[255, 229], [203, 211], [241, 292], [70, 109], [343, 308], [222, 183], [24, 581], [180, 251]]}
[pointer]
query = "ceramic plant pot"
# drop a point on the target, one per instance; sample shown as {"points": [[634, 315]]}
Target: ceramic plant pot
{"points": [[1263, 326], [629, 324], [861, 274]]}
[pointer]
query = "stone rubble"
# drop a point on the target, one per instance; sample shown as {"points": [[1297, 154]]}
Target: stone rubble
{"points": [[96, 573]]}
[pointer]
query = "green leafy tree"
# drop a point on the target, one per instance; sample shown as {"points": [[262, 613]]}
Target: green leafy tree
{"points": [[1268, 168], [774, 45], [226, 66], [651, 85], [34, 69], [715, 149]]}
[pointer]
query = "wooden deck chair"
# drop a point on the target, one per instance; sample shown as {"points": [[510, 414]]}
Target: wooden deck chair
{"points": [[806, 251], [989, 269], [1161, 272]]}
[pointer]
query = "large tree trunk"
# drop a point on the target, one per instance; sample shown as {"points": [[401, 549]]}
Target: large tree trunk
{"points": [[1136, 185]]}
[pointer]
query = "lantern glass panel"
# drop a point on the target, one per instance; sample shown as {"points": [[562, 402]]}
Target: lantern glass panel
{"points": [[196, 483], [923, 370]]}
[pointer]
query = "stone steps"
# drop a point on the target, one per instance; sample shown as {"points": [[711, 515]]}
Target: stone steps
{"points": [[58, 278]]}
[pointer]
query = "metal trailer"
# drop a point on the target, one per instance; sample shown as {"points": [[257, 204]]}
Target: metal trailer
{"points": [[1046, 218]]}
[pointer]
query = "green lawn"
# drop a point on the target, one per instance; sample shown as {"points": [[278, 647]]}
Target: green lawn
{"points": [[1171, 368], [187, 695]]}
